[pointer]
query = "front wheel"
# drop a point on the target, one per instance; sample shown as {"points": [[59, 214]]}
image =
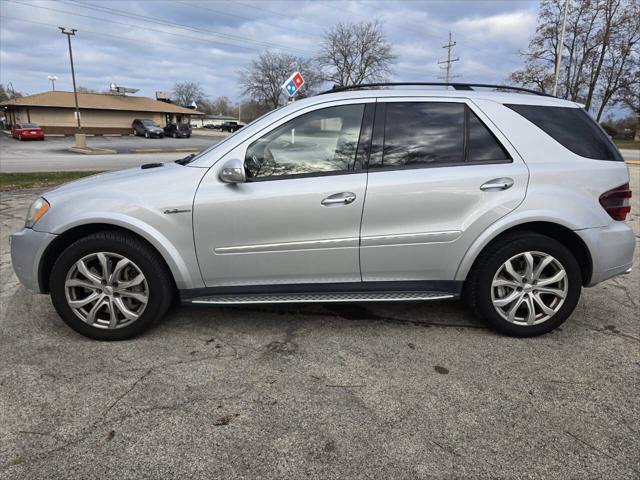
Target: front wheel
{"points": [[110, 286], [524, 285]]}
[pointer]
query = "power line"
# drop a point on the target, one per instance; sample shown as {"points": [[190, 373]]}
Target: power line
{"points": [[449, 46], [160, 21], [138, 26]]}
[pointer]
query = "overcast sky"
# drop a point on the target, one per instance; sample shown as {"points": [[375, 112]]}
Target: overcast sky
{"points": [[150, 45]]}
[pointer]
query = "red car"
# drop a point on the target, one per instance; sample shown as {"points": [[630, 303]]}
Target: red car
{"points": [[24, 131]]}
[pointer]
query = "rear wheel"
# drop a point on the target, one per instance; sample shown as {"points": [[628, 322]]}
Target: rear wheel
{"points": [[110, 286], [525, 285]]}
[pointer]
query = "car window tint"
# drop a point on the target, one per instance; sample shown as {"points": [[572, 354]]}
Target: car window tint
{"points": [[423, 133], [322, 141], [482, 145], [573, 128]]}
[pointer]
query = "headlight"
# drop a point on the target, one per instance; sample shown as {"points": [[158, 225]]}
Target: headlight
{"points": [[36, 210]]}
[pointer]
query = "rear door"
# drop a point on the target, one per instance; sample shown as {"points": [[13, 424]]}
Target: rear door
{"points": [[439, 174]]}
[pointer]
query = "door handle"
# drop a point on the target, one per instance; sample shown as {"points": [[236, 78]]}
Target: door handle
{"points": [[497, 184], [344, 198]]}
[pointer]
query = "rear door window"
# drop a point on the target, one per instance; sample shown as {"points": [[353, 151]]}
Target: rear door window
{"points": [[573, 128], [420, 134]]}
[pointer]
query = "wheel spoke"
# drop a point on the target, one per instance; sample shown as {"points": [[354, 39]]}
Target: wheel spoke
{"points": [[140, 297], [113, 315], [528, 271], [508, 266], [80, 283], [547, 310], [503, 302], [86, 300], [503, 282], [531, 316], [552, 279], [514, 309], [544, 263], [551, 291], [92, 277], [119, 304], [117, 269], [137, 280], [104, 265], [91, 316]]}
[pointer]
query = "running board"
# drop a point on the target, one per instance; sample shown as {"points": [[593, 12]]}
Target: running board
{"points": [[320, 297]]}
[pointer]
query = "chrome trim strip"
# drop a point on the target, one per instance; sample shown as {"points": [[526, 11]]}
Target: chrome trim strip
{"points": [[288, 246], [410, 238]]}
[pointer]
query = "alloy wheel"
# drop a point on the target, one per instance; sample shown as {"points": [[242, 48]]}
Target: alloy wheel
{"points": [[529, 288], [106, 290]]}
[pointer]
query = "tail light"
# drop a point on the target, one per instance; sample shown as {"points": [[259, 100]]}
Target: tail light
{"points": [[616, 202]]}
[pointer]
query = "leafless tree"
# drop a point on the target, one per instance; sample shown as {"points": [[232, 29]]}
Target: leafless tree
{"points": [[262, 80], [186, 92], [355, 53], [599, 51]]}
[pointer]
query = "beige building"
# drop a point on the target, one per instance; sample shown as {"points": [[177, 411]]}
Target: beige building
{"points": [[99, 113]]}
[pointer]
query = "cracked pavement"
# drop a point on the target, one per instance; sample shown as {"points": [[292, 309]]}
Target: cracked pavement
{"points": [[319, 391]]}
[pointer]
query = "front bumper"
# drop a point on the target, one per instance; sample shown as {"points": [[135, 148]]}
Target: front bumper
{"points": [[27, 248], [611, 249]]}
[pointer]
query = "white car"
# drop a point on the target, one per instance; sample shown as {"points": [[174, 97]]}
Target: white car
{"points": [[514, 201]]}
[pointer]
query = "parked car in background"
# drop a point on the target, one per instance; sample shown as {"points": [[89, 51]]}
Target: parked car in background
{"points": [[147, 128], [211, 126], [27, 131], [511, 201], [230, 126], [178, 130]]}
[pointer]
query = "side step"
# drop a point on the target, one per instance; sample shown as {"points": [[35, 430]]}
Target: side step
{"points": [[321, 297]]}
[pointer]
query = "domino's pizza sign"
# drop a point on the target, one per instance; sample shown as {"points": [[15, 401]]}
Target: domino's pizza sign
{"points": [[293, 84]]}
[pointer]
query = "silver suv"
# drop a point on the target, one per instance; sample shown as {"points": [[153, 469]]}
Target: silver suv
{"points": [[513, 201]]}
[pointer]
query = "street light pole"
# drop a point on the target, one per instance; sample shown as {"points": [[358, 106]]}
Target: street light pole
{"points": [[560, 48], [73, 73]]}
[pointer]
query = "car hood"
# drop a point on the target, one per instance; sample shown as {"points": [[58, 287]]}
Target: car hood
{"points": [[148, 176]]}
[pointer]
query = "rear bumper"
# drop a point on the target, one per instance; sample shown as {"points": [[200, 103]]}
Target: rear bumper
{"points": [[27, 248], [611, 249]]}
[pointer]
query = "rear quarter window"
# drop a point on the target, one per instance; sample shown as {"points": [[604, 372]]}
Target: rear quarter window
{"points": [[573, 128]]}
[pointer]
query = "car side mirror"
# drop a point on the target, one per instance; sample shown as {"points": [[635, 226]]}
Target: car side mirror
{"points": [[233, 171]]}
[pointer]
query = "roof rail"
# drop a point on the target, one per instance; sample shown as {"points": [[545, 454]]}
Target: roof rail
{"points": [[456, 86]]}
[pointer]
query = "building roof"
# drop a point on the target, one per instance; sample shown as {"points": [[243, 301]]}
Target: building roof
{"points": [[98, 101]]}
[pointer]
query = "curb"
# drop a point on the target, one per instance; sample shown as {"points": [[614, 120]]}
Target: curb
{"points": [[165, 150], [92, 151]]}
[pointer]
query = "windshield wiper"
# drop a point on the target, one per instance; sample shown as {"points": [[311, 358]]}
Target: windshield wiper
{"points": [[185, 160]]}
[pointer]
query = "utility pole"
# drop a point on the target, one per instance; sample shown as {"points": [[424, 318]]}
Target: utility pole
{"points": [[73, 73], [53, 79], [449, 46], [560, 48]]}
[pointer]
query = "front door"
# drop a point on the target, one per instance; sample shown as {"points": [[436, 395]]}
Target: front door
{"points": [[439, 175], [297, 218]]}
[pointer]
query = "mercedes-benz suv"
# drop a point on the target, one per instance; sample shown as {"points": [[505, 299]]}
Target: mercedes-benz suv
{"points": [[512, 201]]}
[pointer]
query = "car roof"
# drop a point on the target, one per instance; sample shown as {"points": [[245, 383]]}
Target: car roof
{"points": [[500, 97]]}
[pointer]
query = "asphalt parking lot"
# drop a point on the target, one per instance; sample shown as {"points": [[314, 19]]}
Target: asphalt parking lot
{"points": [[320, 391]]}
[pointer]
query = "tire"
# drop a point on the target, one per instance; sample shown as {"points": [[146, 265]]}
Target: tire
{"points": [[480, 291], [157, 286]]}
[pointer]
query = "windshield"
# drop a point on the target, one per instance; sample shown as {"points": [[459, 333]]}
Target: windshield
{"points": [[29, 125], [149, 123], [226, 139]]}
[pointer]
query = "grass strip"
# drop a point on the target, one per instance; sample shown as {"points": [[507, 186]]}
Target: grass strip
{"points": [[18, 181]]}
